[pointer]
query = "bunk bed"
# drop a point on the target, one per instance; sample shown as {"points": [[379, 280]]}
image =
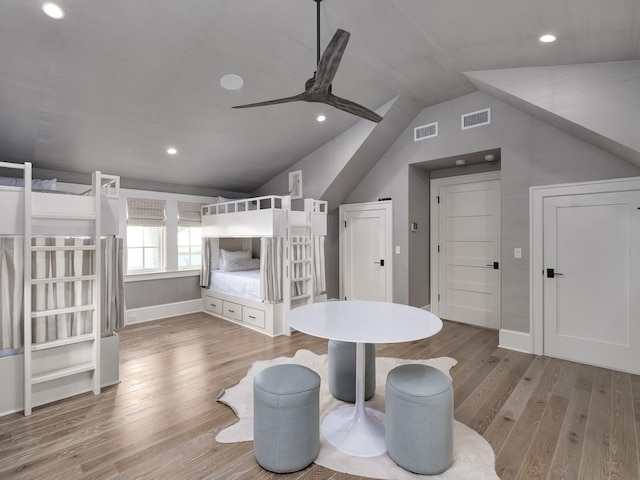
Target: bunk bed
{"points": [[60, 268], [261, 258]]}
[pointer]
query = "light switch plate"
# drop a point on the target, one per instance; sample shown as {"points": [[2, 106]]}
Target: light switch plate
{"points": [[397, 249], [517, 253]]}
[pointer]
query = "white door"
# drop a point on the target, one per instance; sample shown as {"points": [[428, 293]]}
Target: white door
{"points": [[592, 279], [365, 252], [467, 254]]}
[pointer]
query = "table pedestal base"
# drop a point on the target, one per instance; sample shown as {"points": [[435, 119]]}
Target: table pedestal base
{"points": [[356, 433]]}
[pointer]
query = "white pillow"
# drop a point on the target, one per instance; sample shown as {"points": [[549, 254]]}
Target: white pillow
{"points": [[242, 265], [233, 256]]}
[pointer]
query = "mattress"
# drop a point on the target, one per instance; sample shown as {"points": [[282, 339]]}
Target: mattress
{"points": [[241, 284]]}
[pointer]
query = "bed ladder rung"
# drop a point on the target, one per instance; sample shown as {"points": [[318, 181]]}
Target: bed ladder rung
{"points": [[89, 337], [61, 248], [64, 372], [300, 297], [80, 278], [300, 279], [62, 216], [60, 311]]}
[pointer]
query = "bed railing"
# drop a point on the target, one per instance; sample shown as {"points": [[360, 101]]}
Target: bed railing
{"points": [[109, 184], [269, 202]]}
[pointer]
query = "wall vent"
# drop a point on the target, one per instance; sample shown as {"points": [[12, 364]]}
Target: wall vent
{"points": [[425, 131], [475, 119]]}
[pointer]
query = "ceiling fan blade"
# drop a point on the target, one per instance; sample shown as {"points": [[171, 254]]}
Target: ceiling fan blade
{"points": [[330, 61], [351, 107], [273, 102]]}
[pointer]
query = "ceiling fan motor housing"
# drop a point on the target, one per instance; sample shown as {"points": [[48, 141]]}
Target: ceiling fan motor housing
{"points": [[312, 81]]}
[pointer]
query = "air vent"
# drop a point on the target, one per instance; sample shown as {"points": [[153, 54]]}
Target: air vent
{"points": [[425, 131], [476, 119]]}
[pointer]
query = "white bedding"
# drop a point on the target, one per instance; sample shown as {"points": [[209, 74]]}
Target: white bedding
{"points": [[241, 284]]}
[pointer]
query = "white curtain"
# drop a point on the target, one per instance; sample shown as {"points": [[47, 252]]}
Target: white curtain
{"points": [[271, 256], [112, 285], [57, 295], [319, 281], [49, 296], [11, 283], [205, 266]]}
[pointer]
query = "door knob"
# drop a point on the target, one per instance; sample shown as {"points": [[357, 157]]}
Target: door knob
{"points": [[381, 263], [551, 273]]}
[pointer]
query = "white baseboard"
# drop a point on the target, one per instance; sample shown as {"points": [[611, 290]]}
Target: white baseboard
{"points": [[513, 340], [156, 312], [426, 307]]}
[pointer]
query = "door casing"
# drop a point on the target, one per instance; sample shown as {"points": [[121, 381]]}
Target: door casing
{"points": [[387, 207], [435, 224], [536, 242]]}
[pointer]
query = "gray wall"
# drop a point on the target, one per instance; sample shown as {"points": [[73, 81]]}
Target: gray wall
{"points": [[532, 152], [147, 293]]}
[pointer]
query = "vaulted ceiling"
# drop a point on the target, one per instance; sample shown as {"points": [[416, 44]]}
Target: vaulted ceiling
{"points": [[115, 83]]}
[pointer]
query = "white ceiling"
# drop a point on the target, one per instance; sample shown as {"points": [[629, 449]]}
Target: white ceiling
{"points": [[116, 82]]}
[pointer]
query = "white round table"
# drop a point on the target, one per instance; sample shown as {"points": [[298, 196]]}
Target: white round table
{"points": [[357, 430]]}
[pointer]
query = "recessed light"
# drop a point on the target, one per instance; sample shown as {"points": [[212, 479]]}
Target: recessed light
{"points": [[52, 10], [489, 157], [231, 81], [321, 118], [172, 151], [461, 162], [547, 38]]}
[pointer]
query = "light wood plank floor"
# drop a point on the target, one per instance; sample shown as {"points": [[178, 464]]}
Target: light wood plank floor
{"points": [[545, 418]]}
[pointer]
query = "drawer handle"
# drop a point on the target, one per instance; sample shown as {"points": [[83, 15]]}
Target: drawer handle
{"points": [[232, 311], [213, 304], [251, 316]]}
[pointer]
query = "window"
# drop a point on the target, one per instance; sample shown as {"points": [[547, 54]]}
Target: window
{"points": [[189, 235], [189, 247], [145, 234], [144, 248]]}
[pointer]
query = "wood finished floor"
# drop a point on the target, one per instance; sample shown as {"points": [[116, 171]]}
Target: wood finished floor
{"points": [[545, 418]]}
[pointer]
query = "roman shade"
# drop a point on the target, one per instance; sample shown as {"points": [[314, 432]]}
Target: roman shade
{"points": [[146, 212], [189, 214]]}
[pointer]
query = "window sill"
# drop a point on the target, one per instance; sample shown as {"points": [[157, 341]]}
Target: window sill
{"points": [[144, 276]]}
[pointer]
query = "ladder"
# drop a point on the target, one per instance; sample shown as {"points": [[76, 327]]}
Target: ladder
{"points": [[298, 285], [68, 365]]}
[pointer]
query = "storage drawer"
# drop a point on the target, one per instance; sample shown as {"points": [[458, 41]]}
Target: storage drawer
{"points": [[233, 310], [212, 304], [253, 316]]}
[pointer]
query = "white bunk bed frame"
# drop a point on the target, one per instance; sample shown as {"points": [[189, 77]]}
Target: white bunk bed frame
{"points": [[53, 370], [268, 216]]}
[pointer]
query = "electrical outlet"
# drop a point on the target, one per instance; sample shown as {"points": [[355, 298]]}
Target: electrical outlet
{"points": [[397, 249], [517, 253]]}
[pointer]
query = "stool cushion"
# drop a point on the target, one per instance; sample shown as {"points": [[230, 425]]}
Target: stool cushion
{"points": [[286, 417], [419, 419], [342, 370]]}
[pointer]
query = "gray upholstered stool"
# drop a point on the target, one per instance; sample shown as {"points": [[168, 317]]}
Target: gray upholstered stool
{"points": [[342, 370], [419, 418], [286, 417]]}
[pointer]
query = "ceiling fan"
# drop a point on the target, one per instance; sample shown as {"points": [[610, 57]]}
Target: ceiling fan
{"points": [[318, 88]]}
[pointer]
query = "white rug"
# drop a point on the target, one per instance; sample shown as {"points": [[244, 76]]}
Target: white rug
{"points": [[473, 456]]}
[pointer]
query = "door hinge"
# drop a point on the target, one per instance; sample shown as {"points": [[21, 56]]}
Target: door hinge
{"points": [[438, 297], [438, 197], [345, 224], [438, 248], [345, 297]]}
